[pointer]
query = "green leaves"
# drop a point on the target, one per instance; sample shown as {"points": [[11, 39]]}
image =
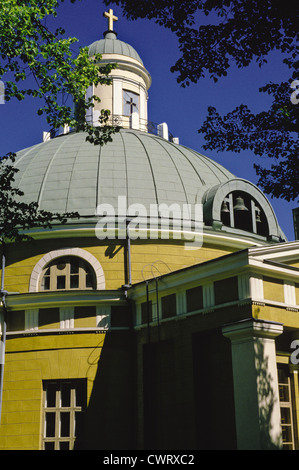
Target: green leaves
{"points": [[17, 217], [271, 134], [239, 32], [42, 65]]}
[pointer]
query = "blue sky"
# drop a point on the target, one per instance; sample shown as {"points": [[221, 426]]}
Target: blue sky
{"points": [[183, 109]]}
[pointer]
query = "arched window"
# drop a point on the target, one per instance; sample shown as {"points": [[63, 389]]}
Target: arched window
{"points": [[67, 273], [239, 205], [44, 272], [240, 210]]}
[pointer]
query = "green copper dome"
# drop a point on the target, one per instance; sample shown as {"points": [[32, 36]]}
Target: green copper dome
{"points": [[111, 45], [69, 174]]}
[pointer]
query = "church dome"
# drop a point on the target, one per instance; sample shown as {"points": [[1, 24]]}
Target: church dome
{"points": [[68, 173], [144, 170], [111, 45]]}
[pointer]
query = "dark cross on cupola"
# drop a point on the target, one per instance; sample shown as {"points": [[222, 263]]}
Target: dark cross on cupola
{"points": [[111, 18], [132, 105], [131, 102]]}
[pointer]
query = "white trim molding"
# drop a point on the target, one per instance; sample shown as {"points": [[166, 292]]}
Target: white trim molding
{"points": [[88, 257], [103, 316], [66, 315], [257, 287], [289, 293], [31, 319], [208, 295]]}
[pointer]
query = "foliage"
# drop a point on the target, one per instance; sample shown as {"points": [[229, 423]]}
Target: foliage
{"points": [[213, 35], [16, 216], [239, 31], [268, 134], [42, 65]]}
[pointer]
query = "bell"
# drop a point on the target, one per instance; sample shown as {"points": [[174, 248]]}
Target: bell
{"points": [[224, 207], [240, 206], [258, 215]]}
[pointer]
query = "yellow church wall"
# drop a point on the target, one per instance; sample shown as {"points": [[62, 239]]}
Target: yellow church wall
{"points": [[29, 361], [289, 318], [103, 360], [22, 258], [273, 289]]}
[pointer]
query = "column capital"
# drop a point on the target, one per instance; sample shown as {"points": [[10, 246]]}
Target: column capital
{"points": [[252, 328]]}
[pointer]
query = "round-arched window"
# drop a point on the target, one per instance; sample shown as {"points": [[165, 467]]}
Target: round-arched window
{"points": [[67, 273], [238, 206], [240, 210]]}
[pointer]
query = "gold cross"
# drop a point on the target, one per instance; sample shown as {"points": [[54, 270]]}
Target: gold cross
{"points": [[111, 18]]}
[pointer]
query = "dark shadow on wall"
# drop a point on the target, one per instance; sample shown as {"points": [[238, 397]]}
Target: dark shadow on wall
{"points": [[214, 393], [161, 423], [17, 252], [108, 420]]}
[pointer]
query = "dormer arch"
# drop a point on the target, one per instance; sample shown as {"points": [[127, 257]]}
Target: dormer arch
{"points": [[238, 205]]}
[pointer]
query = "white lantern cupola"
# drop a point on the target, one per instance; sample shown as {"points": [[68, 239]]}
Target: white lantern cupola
{"points": [[127, 97]]}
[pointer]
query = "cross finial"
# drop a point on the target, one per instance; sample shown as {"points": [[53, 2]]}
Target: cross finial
{"points": [[111, 18]]}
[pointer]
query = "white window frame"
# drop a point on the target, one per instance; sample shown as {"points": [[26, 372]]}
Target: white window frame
{"points": [[79, 252]]}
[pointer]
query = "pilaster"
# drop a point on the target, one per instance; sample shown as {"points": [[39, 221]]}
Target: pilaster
{"points": [[257, 409]]}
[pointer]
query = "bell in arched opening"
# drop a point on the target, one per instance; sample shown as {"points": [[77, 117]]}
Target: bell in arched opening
{"points": [[242, 214], [225, 214], [240, 205], [224, 208]]}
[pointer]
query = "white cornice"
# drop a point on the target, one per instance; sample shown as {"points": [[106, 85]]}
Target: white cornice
{"points": [[209, 236], [130, 66], [282, 251], [63, 298]]}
